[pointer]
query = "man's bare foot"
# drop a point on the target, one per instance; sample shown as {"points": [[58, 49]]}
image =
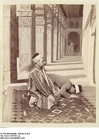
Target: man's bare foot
{"points": [[73, 96]]}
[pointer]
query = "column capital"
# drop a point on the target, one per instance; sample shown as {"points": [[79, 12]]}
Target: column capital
{"points": [[24, 13], [23, 7], [40, 23], [40, 20]]}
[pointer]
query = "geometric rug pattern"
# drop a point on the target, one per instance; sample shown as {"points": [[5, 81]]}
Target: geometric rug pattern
{"points": [[72, 110]]}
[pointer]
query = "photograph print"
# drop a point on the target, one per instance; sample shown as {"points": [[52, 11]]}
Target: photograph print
{"points": [[49, 64]]}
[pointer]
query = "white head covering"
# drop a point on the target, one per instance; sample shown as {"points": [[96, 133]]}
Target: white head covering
{"points": [[77, 88], [37, 58]]}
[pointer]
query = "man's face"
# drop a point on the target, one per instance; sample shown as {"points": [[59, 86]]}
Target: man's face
{"points": [[72, 90], [41, 62]]}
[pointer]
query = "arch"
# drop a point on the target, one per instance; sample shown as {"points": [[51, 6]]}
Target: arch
{"points": [[76, 24], [75, 38], [71, 24], [74, 30]]}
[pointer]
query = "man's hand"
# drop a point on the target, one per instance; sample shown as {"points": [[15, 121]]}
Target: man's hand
{"points": [[51, 98], [56, 92], [32, 100]]}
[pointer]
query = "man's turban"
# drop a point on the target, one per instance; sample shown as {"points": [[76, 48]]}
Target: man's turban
{"points": [[78, 88], [36, 58]]}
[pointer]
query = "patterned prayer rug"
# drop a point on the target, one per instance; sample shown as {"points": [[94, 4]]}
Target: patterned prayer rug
{"points": [[72, 110]]}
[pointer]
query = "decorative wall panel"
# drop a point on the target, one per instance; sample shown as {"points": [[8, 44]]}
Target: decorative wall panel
{"points": [[25, 21], [23, 7]]}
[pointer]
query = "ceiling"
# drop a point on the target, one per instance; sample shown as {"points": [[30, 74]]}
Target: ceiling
{"points": [[72, 11]]}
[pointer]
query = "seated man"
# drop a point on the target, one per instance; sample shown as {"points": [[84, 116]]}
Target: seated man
{"points": [[67, 89], [42, 91]]}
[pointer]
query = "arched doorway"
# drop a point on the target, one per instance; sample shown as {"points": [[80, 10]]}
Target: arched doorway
{"points": [[75, 38]]}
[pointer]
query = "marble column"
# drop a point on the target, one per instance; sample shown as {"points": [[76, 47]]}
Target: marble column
{"points": [[55, 40], [49, 51], [57, 53], [48, 35], [39, 37], [52, 32], [66, 45], [40, 22], [6, 44], [63, 51], [59, 41], [80, 45], [55, 44], [25, 38]]}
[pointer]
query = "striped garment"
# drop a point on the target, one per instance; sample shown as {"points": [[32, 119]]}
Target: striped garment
{"points": [[42, 88]]}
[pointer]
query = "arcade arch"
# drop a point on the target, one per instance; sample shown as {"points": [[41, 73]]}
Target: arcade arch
{"points": [[75, 38]]}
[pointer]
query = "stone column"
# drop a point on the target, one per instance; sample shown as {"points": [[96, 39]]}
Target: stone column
{"points": [[40, 22], [63, 51], [49, 28], [48, 35], [66, 44], [25, 38], [80, 45], [52, 32], [55, 40], [59, 40], [6, 44], [57, 57], [57, 17], [61, 43]]}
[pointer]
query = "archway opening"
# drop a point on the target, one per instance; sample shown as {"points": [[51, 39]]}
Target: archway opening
{"points": [[75, 38]]}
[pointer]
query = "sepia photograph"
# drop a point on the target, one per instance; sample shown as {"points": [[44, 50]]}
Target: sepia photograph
{"points": [[49, 64]]}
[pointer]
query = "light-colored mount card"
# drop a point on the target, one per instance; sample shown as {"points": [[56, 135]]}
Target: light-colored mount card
{"points": [[73, 2]]}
